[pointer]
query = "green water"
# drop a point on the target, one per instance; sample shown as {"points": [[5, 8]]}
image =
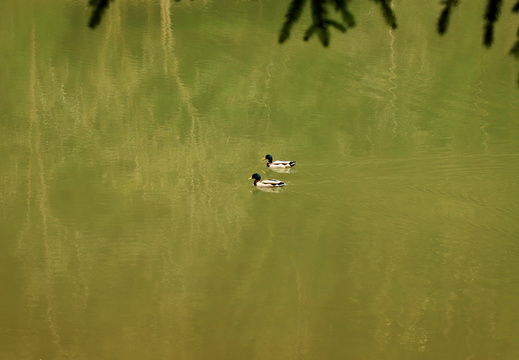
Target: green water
{"points": [[128, 229]]}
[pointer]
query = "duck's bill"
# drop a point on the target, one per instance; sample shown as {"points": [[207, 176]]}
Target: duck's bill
{"points": [[250, 178], [264, 158]]}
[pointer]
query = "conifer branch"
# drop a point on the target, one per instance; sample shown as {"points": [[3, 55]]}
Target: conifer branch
{"points": [[293, 14], [491, 16], [309, 32], [321, 23], [336, 25], [342, 7], [387, 12], [319, 13], [443, 20], [97, 13], [514, 51]]}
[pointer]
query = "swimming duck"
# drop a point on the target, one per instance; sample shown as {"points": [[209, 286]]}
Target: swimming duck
{"points": [[267, 183], [278, 164]]}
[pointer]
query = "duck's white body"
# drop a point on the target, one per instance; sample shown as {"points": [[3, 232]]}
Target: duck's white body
{"points": [[278, 164], [267, 183], [281, 164]]}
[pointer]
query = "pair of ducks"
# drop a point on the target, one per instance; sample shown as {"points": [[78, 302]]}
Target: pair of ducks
{"points": [[272, 183]]}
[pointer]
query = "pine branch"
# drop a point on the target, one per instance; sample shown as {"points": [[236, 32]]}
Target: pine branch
{"points": [[321, 23], [293, 14], [514, 51], [319, 13], [342, 7], [97, 13], [491, 16], [309, 32], [443, 20], [336, 25], [387, 12]]}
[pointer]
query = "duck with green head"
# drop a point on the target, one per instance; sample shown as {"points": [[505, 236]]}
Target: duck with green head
{"points": [[267, 183], [278, 164]]}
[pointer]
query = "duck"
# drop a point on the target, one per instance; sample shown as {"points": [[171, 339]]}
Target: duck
{"points": [[278, 164], [267, 183]]}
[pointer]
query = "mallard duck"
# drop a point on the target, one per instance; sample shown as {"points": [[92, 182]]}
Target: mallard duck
{"points": [[278, 164], [267, 183]]}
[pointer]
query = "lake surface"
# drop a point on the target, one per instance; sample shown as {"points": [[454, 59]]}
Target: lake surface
{"points": [[128, 229]]}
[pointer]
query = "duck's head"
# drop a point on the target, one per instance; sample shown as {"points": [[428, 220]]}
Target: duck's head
{"points": [[256, 177], [268, 158]]}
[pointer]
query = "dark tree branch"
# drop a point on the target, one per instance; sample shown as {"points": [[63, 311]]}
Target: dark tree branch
{"points": [[336, 25], [342, 7], [293, 14], [97, 13], [514, 51], [491, 16], [387, 12], [319, 25], [443, 20]]}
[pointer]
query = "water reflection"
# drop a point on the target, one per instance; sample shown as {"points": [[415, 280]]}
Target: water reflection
{"points": [[280, 171], [258, 190], [129, 232]]}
